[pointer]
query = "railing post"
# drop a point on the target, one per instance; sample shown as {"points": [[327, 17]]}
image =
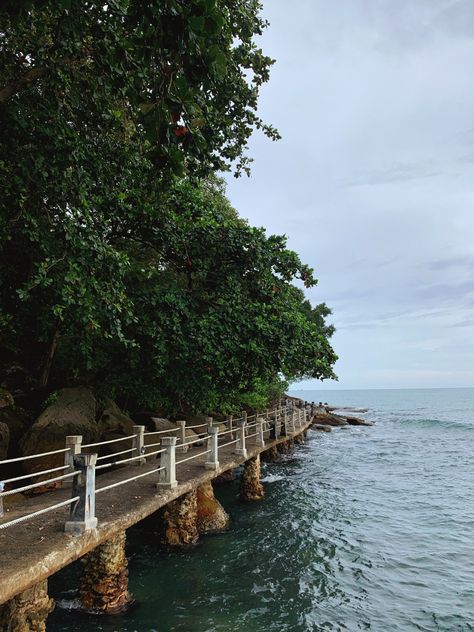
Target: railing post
{"points": [[73, 442], [167, 478], [244, 417], [231, 427], [182, 436], [139, 443], [240, 446], [213, 458], [260, 438], [276, 426], [82, 516], [292, 422], [2, 487], [209, 421], [282, 425]]}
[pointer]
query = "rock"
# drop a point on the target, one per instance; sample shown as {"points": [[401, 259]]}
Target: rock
{"points": [[356, 421], [144, 418], [163, 424], [73, 413], [179, 519], [17, 423], [322, 428], [202, 421], [251, 489], [160, 424], [28, 611], [6, 398], [114, 424], [4, 440], [211, 515], [329, 419]]}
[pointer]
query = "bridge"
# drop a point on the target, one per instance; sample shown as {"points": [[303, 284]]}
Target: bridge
{"points": [[102, 495]]}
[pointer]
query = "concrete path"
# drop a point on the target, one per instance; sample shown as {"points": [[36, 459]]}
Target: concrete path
{"points": [[35, 549]]}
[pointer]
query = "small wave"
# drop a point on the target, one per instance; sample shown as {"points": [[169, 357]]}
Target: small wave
{"points": [[441, 423], [272, 478], [69, 604]]}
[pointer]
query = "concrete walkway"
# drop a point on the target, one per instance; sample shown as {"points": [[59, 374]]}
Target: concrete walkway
{"points": [[35, 549]]}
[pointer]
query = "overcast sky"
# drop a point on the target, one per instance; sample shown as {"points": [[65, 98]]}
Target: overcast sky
{"points": [[373, 180]]}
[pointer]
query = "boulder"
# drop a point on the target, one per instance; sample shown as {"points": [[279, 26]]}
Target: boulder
{"points": [[114, 424], [322, 428], [163, 424], [73, 413], [357, 421], [211, 515], [329, 419], [6, 398], [4, 440], [17, 423], [199, 420]]}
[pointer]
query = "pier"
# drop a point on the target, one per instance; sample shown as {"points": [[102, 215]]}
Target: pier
{"points": [[42, 535]]}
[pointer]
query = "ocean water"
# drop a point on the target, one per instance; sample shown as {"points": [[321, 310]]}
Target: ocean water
{"points": [[361, 529]]}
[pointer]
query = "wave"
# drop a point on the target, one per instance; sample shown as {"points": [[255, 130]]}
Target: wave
{"points": [[440, 423]]}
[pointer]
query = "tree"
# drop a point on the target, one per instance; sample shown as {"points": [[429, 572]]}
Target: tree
{"points": [[122, 264]]}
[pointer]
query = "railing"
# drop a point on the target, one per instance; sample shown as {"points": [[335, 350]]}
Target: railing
{"points": [[80, 467]]}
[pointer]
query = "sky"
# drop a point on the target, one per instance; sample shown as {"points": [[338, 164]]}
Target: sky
{"points": [[373, 179]]}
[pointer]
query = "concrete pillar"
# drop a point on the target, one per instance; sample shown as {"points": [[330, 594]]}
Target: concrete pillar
{"points": [[104, 581], [270, 455], [211, 515], [299, 438], [286, 446], [251, 489], [28, 611], [180, 521]]}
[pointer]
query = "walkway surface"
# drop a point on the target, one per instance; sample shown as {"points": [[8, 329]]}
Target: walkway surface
{"points": [[33, 550]]}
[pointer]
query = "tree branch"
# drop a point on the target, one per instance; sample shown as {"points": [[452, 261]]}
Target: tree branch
{"points": [[12, 88]]}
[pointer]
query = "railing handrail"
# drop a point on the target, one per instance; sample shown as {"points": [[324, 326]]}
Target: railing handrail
{"points": [[83, 465]]}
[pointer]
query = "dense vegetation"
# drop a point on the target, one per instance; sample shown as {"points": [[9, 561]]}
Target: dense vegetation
{"points": [[122, 263]]}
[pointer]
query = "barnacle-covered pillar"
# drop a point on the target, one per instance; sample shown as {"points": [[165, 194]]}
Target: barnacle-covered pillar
{"points": [[251, 489], [104, 581], [28, 611]]}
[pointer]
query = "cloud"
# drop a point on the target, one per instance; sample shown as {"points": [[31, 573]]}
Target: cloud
{"points": [[373, 180]]}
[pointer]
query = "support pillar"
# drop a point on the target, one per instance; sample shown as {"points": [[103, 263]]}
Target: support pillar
{"points": [[271, 455], [286, 446], [180, 521], [251, 489], [28, 611], [104, 582], [211, 515]]}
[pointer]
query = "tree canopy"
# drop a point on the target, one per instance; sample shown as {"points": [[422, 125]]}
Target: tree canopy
{"points": [[122, 263]]}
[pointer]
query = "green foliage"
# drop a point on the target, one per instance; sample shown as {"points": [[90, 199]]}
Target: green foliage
{"points": [[122, 264]]}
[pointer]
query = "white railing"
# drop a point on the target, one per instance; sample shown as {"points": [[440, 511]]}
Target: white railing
{"points": [[80, 467]]}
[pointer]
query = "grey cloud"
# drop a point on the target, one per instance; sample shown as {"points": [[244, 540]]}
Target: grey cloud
{"points": [[373, 181]]}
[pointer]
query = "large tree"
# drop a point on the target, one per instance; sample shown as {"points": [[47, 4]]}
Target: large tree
{"points": [[109, 265]]}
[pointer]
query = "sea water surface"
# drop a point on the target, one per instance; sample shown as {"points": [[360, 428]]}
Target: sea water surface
{"points": [[361, 529]]}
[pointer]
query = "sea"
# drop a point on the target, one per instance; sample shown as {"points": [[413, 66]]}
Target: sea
{"points": [[362, 528]]}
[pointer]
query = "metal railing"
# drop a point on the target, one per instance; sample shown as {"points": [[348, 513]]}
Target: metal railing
{"points": [[80, 467]]}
